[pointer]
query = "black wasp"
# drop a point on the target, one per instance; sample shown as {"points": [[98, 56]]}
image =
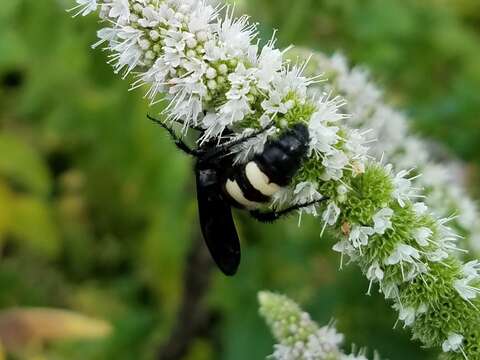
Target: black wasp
{"points": [[221, 184]]}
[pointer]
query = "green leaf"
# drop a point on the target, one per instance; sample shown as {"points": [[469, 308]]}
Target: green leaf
{"points": [[23, 165], [34, 226]]}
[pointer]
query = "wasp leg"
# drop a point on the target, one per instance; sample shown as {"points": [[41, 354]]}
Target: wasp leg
{"points": [[178, 141], [272, 216], [178, 121], [230, 144], [223, 149]]}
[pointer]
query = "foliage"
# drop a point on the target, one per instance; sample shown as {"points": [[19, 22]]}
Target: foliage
{"points": [[119, 200]]}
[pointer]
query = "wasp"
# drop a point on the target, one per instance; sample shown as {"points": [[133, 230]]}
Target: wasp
{"points": [[222, 184]]}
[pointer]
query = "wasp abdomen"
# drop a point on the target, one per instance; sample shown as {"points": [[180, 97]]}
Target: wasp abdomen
{"points": [[253, 184], [249, 185]]}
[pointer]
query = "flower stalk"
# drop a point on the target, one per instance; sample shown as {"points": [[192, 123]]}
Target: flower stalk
{"points": [[390, 136]]}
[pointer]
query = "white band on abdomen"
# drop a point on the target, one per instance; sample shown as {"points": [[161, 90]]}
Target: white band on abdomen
{"points": [[237, 194], [259, 180]]}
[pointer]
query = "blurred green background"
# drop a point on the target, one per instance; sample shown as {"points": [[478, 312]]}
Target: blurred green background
{"points": [[97, 208]]}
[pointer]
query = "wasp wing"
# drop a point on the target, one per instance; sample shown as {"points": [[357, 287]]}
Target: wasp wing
{"points": [[218, 228]]}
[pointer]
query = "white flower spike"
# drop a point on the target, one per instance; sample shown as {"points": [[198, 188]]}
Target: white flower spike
{"points": [[215, 77]]}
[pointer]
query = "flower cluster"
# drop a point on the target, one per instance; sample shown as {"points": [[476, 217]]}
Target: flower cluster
{"points": [[391, 137], [298, 336], [215, 79]]}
